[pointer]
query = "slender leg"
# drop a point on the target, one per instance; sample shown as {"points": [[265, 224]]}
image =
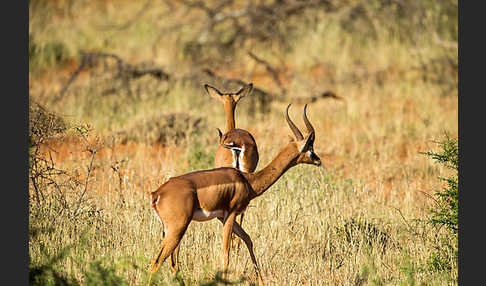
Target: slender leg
{"points": [[169, 244], [240, 232], [173, 259], [227, 230], [173, 262], [238, 243], [241, 219]]}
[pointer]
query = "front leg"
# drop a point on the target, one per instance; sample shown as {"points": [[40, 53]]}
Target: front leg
{"points": [[228, 223], [241, 233], [238, 243]]}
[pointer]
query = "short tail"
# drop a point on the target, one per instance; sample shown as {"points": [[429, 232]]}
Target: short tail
{"points": [[154, 199]]}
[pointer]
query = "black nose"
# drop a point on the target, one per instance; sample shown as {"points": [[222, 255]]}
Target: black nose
{"points": [[317, 160]]}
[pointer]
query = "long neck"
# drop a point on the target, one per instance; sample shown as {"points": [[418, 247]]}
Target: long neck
{"points": [[229, 109], [265, 178]]}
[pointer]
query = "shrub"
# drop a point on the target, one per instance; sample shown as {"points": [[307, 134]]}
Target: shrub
{"points": [[58, 203], [444, 212]]}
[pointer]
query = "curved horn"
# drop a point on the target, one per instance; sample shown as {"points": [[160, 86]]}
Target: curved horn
{"points": [[292, 126], [310, 129]]}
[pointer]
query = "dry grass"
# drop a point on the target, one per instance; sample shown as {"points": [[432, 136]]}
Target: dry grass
{"points": [[354, 222]]}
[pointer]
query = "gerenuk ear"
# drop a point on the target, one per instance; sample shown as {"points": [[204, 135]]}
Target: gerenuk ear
{"points": [[220, 134], [213, 92], [243, 92]]}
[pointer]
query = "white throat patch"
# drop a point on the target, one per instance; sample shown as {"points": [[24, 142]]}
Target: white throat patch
{"points": [[242, 162], [235, 159], [309, 154]]}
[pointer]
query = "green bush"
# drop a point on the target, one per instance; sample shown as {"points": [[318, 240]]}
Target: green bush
{"points": [[444, 212]]}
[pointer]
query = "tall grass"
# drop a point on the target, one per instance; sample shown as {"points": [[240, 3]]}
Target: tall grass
{"points": [[358, 221]]}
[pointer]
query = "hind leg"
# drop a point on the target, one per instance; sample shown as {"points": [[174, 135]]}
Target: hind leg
{"points": [[173, 260], [169, 244], [175, 209]]}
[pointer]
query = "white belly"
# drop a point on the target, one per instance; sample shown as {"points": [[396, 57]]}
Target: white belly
{"points": [[204, 215]]}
